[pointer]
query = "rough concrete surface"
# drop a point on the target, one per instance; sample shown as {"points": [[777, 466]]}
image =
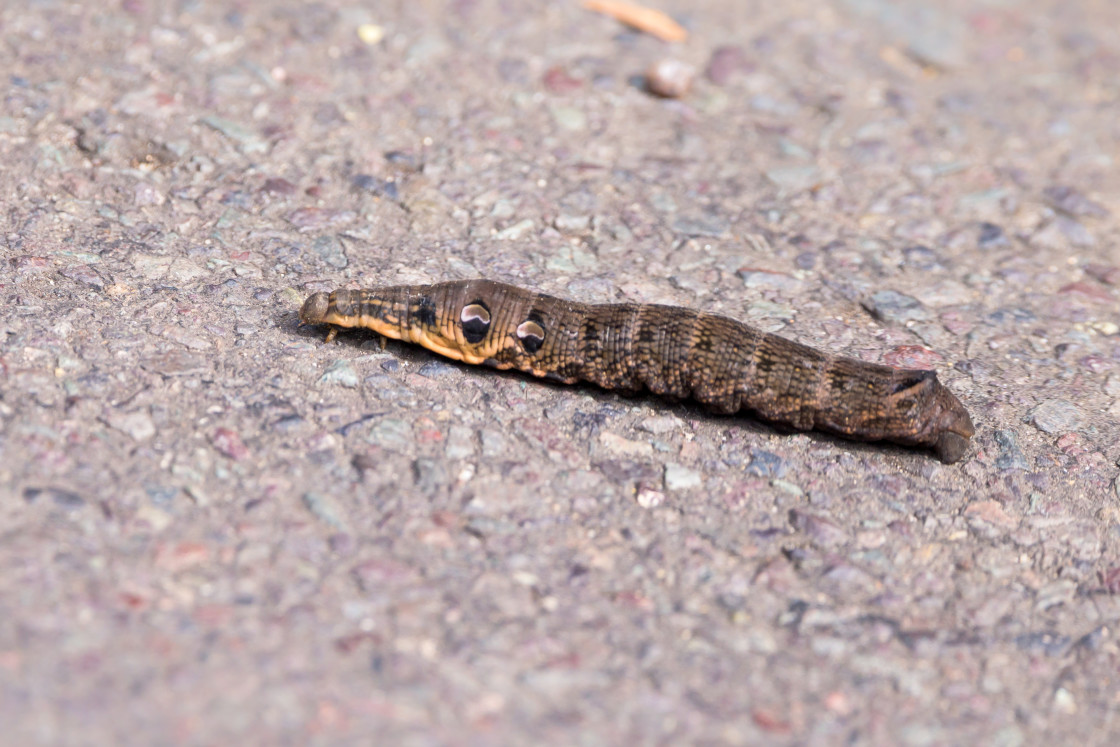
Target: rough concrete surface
{"points": [[217, 529]]}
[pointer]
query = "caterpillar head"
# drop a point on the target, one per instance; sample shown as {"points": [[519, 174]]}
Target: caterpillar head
{"points": [[314, 309], [943, 423]]}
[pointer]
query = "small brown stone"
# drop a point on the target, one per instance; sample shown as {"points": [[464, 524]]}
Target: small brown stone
{"points": [[670, 78]]}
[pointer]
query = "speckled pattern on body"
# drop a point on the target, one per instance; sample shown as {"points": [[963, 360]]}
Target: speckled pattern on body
{"points": [[679, 353], [215, 529]]}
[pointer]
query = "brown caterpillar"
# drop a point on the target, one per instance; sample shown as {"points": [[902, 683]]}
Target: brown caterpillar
{"points": [[725, 365]]}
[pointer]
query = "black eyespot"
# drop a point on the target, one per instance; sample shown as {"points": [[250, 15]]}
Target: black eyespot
{"points": [[426, 312], [475, 318], [531, 334]]}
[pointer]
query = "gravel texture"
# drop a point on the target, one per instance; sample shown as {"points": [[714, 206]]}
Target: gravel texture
{"points": [[218, 529]]}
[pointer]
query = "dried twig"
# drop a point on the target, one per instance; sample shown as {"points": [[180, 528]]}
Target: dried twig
{"points": [[644, 19]]}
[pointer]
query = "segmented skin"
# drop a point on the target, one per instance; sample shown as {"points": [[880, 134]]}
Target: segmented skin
{"points": [[681, 353]]}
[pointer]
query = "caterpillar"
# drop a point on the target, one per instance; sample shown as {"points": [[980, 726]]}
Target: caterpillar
{"points": [[723, 364]]}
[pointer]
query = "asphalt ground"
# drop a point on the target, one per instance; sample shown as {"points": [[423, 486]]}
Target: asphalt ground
{"points": [[216, 528]]}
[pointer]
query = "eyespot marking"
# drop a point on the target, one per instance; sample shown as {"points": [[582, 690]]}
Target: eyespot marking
{"points": [[475, 319], [531, 334]]}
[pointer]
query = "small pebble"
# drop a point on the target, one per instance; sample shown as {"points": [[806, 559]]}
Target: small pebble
{"points": [[228, 442], [1096, 363], [558, 80], [341, 543], [460, 442], [278, 186], [493, 443], [1074, 232], [766, 464], [429, 475], [341, 373], [770, 316], [26, 264], [287, 423], [572, 224], [754, 277], [787, 487], [679, 477], [945, 293], [650, 498], [1064, 701], [892, 306], [331, 250], [247, 140], [402, 159], [1010, 316], [323, 508], [161, 495], [62, 498], [701, 225], [1059, 233], [846, 581], [138, 425], [1088, 290], [806, 260], [913, 356], [660, 424], [148, 194], [921, 257], [1010, 455], [155, 518], [84, 274], [989, 514], [569, 118], [517, 231], [391, 433], [437, 369], [375, 186], [670, 78], [620, 446], [1107, 274], [1056, 416], [1071, 202], [323, 441], [819, 530], [388, 389], [991, 236]]}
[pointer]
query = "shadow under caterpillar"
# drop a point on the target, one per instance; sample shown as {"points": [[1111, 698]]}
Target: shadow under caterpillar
{"points": [[725, 365]]}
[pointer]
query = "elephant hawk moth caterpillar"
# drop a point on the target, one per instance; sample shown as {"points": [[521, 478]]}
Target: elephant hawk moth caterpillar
{"points": [[723, 364]]}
